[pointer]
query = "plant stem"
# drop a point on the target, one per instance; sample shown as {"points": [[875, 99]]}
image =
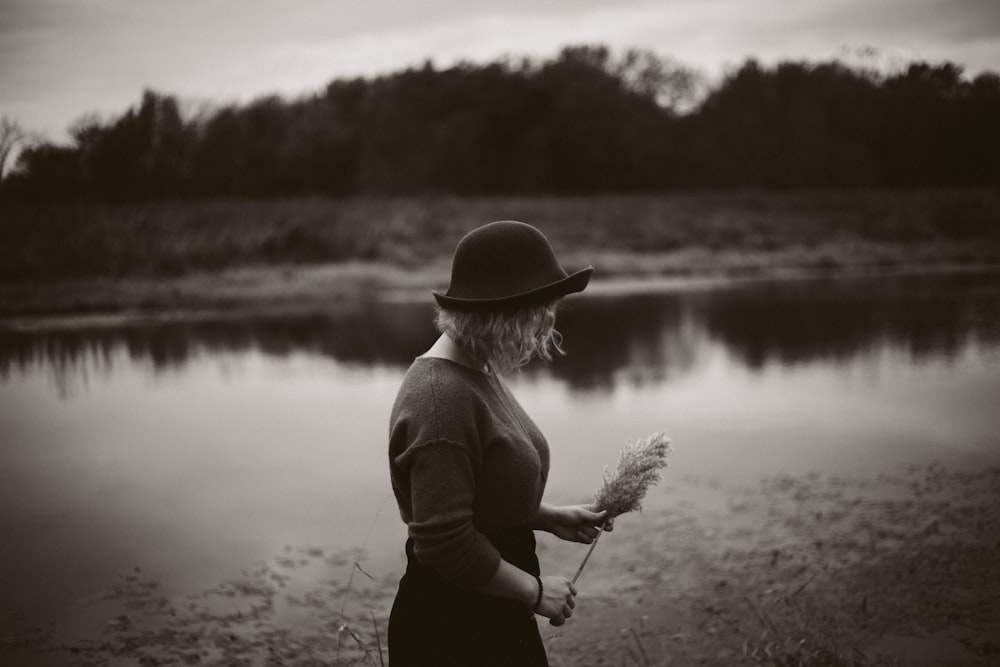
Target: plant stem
{"points": [[600, 531]]}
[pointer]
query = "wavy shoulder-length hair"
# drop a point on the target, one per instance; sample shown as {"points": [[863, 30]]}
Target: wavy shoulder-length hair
{"points": [[506, 340]]}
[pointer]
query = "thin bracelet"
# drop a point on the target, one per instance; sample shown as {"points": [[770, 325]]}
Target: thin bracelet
{"points": [[538, 600]]}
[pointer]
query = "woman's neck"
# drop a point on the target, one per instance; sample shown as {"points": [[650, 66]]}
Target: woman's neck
{"points": [[446, 348]]}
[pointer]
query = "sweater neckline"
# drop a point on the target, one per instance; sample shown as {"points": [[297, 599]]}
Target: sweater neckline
{"points": [[482, 373]]}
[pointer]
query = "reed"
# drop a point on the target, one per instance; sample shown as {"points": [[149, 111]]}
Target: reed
{"points": [[639, 467]]}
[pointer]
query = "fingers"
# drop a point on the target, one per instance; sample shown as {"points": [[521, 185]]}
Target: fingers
{"points": [[587, 514], [564, 613], [602, 520], [567, 612], [590, 524], [560, 602]]}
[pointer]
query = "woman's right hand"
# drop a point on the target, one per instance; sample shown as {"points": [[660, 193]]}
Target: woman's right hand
{"points": [[558, 599]]}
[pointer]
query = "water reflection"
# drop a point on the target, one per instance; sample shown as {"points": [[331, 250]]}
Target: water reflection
{"points": [[836, 320], [622, 338], [638, 338]]}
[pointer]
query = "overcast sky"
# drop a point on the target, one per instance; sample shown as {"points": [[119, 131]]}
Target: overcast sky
{"points": [[60, 59]]}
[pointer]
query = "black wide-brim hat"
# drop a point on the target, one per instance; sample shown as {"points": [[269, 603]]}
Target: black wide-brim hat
{"points": [[507, 265]]}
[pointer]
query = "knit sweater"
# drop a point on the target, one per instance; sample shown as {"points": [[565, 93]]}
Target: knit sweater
{"points": [[465, 462]]}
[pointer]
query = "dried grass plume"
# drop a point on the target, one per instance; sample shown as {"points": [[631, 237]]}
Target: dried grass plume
{"points": [[639, 466]]}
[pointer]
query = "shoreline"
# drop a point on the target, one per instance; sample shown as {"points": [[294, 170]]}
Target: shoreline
{"points": [[890, 568], [276, 289]]}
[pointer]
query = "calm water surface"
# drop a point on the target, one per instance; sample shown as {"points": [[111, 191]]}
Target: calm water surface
{"points": [[193, 448]]}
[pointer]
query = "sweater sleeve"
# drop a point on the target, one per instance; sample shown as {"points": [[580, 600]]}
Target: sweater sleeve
{"points": [[442, 492]]}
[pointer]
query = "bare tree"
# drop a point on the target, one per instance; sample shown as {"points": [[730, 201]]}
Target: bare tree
{"points": [[11, 135], [665, 80]]}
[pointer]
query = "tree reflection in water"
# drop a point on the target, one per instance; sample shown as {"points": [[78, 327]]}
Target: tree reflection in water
{"points": [[637, 338]]}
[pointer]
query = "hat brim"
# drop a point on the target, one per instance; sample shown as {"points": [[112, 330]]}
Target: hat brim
{"points": [[575, 282]]}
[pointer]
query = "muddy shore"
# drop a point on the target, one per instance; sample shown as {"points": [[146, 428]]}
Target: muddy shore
{"points": [[891, 569], [901, 569]]}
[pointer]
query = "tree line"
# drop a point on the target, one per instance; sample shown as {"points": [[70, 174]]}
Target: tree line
{"points": [[586, 121]]}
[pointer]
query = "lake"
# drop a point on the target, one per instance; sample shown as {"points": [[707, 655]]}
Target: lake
{"points": [[192, 447]]}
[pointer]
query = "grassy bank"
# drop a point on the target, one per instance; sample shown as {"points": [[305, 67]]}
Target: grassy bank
{"points": [[96, 256]]}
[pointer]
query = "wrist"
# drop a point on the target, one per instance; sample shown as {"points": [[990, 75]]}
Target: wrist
{"points": [[543, 518], [537, 602]]}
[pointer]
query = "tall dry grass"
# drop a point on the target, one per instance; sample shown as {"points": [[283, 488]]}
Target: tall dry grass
{"points": [[173, 238]]}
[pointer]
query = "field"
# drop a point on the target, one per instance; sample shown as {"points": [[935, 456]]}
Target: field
{"points": [[219, 254]]}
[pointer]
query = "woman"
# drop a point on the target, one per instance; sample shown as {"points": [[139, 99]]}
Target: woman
{"points": [[468, 466]]}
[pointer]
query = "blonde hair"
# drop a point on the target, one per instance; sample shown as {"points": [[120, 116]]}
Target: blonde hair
{"points": [[506, 340]]}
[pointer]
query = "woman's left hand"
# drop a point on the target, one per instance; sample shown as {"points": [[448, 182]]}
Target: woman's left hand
{"points": [[576, 523]]}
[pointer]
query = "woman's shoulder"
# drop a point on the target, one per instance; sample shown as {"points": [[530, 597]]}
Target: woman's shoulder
{"points": [[438, 400], [434, 381]]}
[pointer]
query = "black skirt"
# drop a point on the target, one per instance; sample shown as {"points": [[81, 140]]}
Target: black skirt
{"points": [[436, 623]]}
